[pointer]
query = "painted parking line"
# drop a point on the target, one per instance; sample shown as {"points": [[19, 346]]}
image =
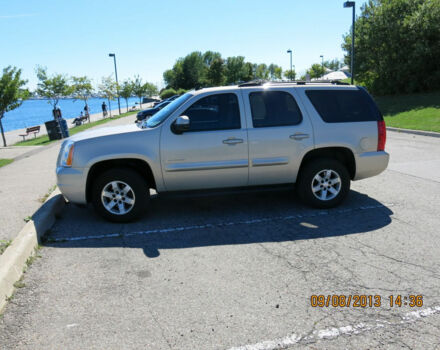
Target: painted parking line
{"points": [[223, 224], [332, 333]]}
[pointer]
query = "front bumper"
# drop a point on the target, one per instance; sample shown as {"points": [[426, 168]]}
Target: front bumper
{"points": [[370, 164], [72, 183]]}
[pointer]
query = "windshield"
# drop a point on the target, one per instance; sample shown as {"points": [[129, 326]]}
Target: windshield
{"points": [[165, 112]]}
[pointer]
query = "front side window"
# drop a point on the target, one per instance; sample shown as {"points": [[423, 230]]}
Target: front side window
{"points": [[165, 112], [214, 112], [274, 108]]}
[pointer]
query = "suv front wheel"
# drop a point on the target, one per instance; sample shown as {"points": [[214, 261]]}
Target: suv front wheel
{"points": [[323, 183], [120, 195]]}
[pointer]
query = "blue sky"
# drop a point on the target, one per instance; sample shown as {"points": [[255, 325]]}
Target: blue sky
{"points": [[75, 37]]}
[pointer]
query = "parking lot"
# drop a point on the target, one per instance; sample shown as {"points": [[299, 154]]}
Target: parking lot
{"points": [[237, 270]]}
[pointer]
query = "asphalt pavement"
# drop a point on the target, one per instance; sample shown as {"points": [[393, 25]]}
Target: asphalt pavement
{"points": [[238, 270]]}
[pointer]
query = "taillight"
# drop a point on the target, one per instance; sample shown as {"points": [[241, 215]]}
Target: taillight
{"points": [[381, 135]]}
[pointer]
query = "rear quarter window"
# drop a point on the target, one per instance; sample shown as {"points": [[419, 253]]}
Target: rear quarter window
{"points": [[344, 106]]}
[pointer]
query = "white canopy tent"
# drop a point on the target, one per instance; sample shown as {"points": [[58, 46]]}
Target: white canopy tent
{"points": [[338, 75]]}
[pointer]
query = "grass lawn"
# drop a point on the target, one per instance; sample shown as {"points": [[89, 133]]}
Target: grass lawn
{"points": [[44, 140], [415, 111], [4, 162]]}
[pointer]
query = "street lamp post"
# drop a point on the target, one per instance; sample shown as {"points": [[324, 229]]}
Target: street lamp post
{"points": [[351, 4], [290, 51], [117, 84], [322, 61]]}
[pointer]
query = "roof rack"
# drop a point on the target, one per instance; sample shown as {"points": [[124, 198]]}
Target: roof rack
{"points": [[259, 82], [335, 82], [256, 82]]}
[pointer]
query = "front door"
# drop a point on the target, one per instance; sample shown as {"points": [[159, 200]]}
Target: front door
{"points": [[214, 152]]}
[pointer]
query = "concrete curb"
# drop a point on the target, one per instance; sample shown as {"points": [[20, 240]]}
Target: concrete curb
{"points": [[415, 132], [14, 258]]}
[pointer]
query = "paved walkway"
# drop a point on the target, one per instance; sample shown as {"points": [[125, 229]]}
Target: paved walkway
{"points": [[17, 152], [25, 182]]}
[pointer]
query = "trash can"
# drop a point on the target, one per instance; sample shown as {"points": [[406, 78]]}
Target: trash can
{"points": [[53, 130], [64, 128]]}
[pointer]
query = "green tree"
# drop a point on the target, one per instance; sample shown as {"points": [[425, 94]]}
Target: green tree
{"points": [[235, 69], [108, 89], [215, 74], [262, 72], [275, 72], [334, 64], [193, 70], [126, 91], [82, 89], [249, 72], [150, 89], [316, 71], [52, 87], [12, 93], [290, 74], [139, 89], [210, 56], [397, 46], [169, 76]]}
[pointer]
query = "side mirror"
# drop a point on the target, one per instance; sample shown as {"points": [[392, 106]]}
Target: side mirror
{"points": [[180, 125]]}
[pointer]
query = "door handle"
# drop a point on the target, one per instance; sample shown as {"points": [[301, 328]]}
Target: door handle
{"points": [[232, 141], [299, 136]]}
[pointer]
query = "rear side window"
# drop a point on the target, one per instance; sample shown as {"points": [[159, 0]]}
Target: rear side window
{"points": [[214, 112], [273, 108], [344, 106]]}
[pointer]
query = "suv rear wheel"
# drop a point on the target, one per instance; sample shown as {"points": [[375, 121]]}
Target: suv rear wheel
{"points": [[120, 195], [323, 183]]}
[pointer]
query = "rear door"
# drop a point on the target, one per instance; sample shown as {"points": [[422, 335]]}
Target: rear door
{"points": [[279, 134]]}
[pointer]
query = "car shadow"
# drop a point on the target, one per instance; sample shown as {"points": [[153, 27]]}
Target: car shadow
{"points": [[219, 219]]}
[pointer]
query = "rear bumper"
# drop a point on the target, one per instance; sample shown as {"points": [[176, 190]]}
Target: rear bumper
{"points": [[72, 184], [370, 164]]}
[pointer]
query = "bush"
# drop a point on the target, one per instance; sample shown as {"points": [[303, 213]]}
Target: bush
{"points": [[167, 93], [181, 91]]}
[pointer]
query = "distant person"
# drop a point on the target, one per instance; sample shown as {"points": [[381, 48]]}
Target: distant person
{"points": [[59, 115], [104, 109], [86, 112], [78, 120]]}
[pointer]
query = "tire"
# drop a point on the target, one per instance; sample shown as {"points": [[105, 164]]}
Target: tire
{"points": [[317, 183], [116, 202]]}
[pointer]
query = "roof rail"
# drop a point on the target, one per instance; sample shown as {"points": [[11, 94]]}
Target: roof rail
{"points": [[256, 82], [259, 82], [335, 82]]}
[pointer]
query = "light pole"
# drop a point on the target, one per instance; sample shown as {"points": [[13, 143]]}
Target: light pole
{"points": [[290, 51], [322, 61], [352, 4], [117, 84]]}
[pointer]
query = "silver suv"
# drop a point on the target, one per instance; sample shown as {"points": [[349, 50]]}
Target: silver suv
{"points": [[317, 136]]}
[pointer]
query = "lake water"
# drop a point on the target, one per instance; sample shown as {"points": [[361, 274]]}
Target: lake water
{"points": [[36, 112]]}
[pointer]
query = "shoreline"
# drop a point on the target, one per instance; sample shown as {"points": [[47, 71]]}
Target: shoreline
{"points": [[13, 136]]}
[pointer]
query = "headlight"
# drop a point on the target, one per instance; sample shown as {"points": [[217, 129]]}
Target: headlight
{"points": [[67, 154]]}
